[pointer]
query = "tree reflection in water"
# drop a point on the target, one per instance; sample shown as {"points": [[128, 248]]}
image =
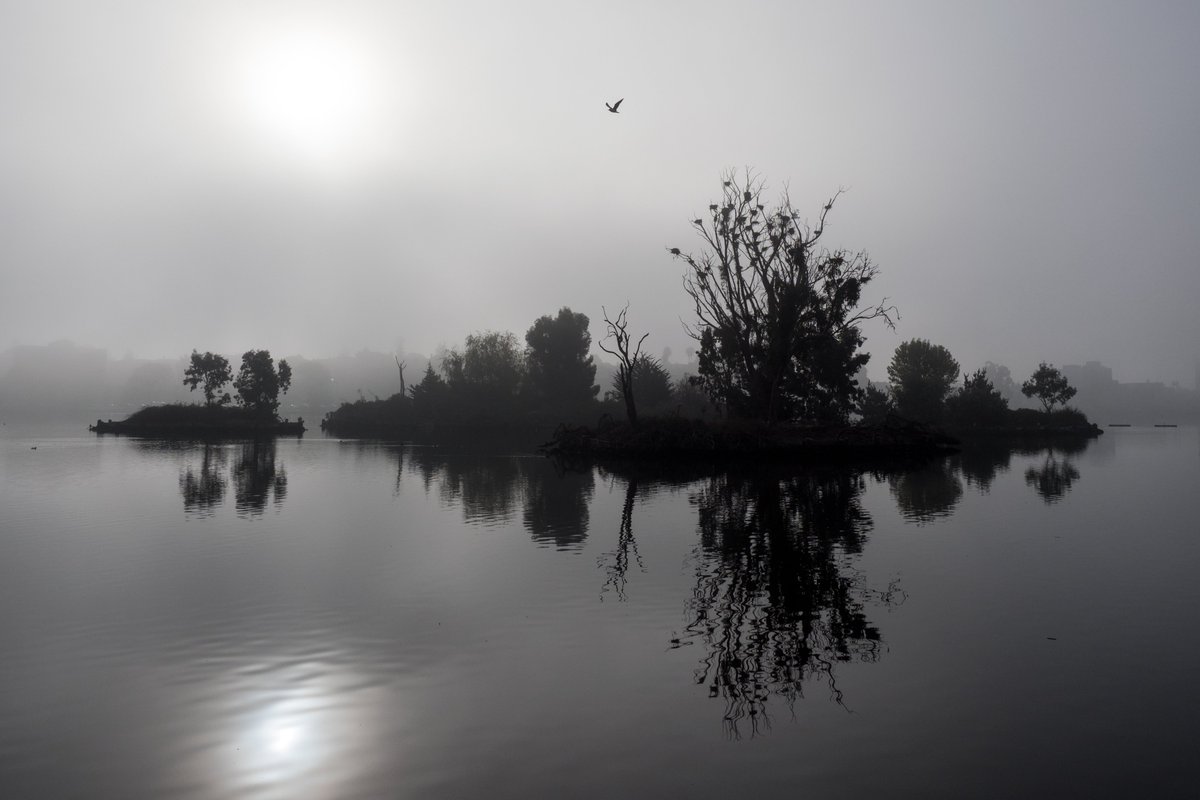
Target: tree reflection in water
{"points": [[485, 488], [776, 602], [1054, 478], [257, 478], [615, 563], [926, 493], [203, 489], [980, 463], [555, 503]]}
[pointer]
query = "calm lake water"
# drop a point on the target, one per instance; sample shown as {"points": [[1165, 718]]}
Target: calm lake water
{"points": [[332, 619]]}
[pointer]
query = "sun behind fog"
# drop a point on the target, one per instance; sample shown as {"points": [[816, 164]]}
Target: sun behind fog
{"points": [[311, 93]]}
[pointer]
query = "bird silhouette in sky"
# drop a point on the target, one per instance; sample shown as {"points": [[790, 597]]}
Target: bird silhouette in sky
{"points": [[612, 107]]}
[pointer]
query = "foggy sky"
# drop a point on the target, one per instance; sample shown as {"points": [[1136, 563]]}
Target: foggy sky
{"points": [[1025, 174]]}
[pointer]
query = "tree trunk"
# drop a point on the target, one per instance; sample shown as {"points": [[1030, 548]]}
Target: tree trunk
{"points": [[627, 395]]}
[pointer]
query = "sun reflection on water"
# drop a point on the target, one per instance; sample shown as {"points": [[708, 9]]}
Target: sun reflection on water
{"points": [[301, 734], [282, 739]]}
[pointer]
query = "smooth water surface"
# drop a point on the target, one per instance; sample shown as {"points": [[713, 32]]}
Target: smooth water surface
{"points": [[330, 619]]}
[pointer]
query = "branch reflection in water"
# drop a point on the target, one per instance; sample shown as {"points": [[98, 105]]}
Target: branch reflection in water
{"points": [[615, 563], [776, 601]]}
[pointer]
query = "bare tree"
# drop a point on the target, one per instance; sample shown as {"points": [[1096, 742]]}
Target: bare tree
{"points": [[778, 316], [619, 333]]}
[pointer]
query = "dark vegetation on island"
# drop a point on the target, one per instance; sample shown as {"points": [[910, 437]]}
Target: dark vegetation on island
{"points": [[258, 385], [675, 438], [778, 323], [781, 372], [922, 387]]}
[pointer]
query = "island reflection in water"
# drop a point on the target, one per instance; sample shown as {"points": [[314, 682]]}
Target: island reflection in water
{"points": [[776, 602], [554, 502], [203, 484], [1051, 479], [1057, 473], [258, 478], [387, 620]]}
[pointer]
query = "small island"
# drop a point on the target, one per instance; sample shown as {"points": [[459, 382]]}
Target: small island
{"points": [[258, 385], [780, 368]]}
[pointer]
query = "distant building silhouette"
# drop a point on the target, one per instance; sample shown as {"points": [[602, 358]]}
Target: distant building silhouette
{"points": [[1090, 377], [1106, 401]]}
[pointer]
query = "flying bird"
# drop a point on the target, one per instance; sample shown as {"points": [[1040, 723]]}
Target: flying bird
{"points": [[612, 107]]}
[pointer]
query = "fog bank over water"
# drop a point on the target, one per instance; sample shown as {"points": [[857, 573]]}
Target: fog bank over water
{"points": [[322, 178], [65, 381]]}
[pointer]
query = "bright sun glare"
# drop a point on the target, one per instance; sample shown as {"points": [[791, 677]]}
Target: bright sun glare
{"points": [[312, 93]]}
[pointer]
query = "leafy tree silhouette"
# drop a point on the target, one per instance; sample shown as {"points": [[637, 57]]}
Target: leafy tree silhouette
{"points": [[259, 383], [977, 404], [1049, 386], [213, 372], [561, 372], [651, 384], [921, 375]]}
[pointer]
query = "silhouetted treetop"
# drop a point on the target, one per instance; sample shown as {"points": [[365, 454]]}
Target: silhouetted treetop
{"points": [[259, 383], [213, 372], [977, 403], [429, 394], [1049, 386], [651, 384], [491, 363], [921, 375], [875, 405], [778, 316], [561, 372]]}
